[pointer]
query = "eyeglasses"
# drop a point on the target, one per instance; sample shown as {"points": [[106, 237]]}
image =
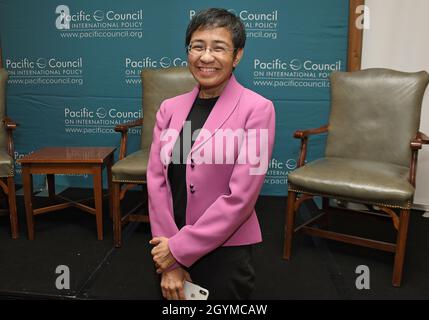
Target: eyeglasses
{"points": [[199, 50]]}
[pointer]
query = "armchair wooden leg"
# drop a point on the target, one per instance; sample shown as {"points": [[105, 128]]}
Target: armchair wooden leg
{"points": [[290, 217], [325, 203], [325, 207], [109, 184], [51, 185], [116, 204], [12, 207], [401, 243]]}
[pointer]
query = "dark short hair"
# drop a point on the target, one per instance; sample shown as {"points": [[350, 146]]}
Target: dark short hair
{"points": [[218, 18]]}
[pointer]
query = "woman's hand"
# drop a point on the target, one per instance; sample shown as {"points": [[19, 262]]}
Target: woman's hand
{"points": [[172, 284], [161, 254]]}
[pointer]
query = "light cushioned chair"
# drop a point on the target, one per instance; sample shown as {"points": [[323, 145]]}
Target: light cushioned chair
{"points": [[370, 157], [7, 183], [130, 170]]}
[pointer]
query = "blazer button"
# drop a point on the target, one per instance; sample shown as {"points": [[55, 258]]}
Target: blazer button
{"points": [[192, 165], [192, 191], [192, 160], [191, 186], [165, 167]]}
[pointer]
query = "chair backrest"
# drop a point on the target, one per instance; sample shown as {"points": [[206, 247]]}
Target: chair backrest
{"points": [[158, 85], [3, 81], [375, 113]]}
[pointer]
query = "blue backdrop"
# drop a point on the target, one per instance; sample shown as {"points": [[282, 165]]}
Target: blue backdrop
{"points": [[74, 67]]}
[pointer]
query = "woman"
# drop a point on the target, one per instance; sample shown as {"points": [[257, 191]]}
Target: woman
{"points": [[202, 192]]}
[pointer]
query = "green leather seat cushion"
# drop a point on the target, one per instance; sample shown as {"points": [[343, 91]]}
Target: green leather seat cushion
{"points": [[6, 164], [132, 168], [354, 179]]}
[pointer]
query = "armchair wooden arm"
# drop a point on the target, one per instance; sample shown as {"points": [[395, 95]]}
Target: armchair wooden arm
{"points": [[10, 125], [424, 138], [301, 134], [419, 141], [416, 145], [123, 129], [304, 135]]}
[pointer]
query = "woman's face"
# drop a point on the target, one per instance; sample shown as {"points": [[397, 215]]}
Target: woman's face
{"points": [[212, 68]]}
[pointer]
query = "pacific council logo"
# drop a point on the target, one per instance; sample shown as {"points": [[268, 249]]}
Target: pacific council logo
{"points": [[165, 62], [295, 64], [101, 113], [98, 15], [41, 63]]}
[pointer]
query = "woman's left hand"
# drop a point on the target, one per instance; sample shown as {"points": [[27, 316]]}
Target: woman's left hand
{"points": [[161, 254]]}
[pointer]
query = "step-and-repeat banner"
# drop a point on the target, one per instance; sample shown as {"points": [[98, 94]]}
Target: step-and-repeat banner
{"points": [[74, 68]]}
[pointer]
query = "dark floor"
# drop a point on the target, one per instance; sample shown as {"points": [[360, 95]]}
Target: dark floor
{"points": [[318, 269]]}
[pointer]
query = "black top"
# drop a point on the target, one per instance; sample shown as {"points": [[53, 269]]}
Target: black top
{"points": [[198, 115]]}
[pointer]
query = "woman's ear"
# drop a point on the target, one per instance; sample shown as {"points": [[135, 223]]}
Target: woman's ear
{"points": [[237, 57]]}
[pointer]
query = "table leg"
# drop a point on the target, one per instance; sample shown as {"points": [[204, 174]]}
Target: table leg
{"points": [[117, 224], [27, 181], [98, 200], [51, 185], [109, 184]]}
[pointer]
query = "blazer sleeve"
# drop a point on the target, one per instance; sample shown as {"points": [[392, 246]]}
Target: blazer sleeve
{"points": [[229, 211], [160, 211]]}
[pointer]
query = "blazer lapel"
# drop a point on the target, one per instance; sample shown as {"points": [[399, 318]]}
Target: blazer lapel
{"points": [[183, 107], [223, 108]]}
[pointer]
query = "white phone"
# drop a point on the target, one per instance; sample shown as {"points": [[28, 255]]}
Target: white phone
{"points": [[195, 292]]}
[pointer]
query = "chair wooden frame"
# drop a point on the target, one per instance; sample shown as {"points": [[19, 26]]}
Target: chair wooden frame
{"points": [[118, 191], [7, 184], [400, 222]]}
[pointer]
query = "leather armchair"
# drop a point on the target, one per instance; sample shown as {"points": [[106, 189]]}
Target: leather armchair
{"points": [[370, 157], [130, 170], [7, 183]]}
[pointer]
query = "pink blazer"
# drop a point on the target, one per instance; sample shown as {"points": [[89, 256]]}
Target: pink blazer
{"points": [[221, 196]]}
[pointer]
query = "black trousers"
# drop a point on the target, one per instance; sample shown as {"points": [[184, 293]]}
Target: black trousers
{"points": [[227, 272]]}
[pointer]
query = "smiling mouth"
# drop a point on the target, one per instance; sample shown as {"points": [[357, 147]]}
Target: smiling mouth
{"points": [[207, 70]]}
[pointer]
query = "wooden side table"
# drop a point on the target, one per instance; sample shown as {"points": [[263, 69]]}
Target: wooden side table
{"points": [[67, 160]]}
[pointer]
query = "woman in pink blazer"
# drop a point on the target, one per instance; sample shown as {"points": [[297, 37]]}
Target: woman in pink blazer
{"points": [[209, 156]]}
